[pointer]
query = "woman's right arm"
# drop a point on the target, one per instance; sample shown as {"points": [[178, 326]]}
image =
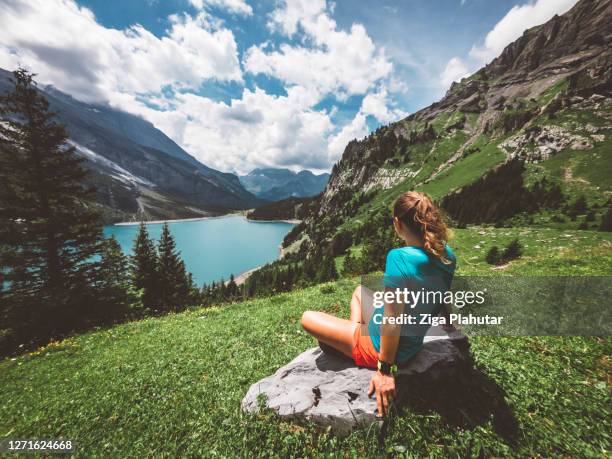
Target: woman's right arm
{"points": [[384, 384]]}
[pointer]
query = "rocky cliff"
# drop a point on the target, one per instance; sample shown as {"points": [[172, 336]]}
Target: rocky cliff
{"points": [[547, 94]]}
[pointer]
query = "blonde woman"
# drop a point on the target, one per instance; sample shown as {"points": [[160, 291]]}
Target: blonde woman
{"points": [[425, 258]]}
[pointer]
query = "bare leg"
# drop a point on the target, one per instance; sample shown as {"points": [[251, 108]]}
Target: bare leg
{"points": [[331, 330], [356, 315]]}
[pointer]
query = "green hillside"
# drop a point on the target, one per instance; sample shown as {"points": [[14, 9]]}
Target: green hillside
{"points": [[544, 102], [173, 385]]}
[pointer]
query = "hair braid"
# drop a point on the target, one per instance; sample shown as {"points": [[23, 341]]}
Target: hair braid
{"points": [[419, 213]]}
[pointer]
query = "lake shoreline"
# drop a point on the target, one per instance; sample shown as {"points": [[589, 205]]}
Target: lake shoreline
{"points": [[214, 246], [292, 221], [209, 217], [242, 277], [193, 219]]}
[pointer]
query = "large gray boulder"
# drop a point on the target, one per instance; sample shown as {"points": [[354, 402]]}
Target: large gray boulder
{"points": [[331, 391]]}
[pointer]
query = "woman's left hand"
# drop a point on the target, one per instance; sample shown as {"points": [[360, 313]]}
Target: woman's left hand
{"points": [[384, 387]]}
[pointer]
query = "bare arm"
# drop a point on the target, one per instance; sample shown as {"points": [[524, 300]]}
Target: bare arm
{"points": [[381, 384]]}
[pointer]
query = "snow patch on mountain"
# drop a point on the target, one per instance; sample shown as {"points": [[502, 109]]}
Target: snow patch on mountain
{"points": [[117, 171]]}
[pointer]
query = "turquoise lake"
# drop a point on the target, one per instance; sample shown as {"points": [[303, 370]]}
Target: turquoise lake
{"points": [[215, 248]]}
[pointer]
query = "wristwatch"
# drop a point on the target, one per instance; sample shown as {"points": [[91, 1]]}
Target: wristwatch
{"points": [[387, 368]]}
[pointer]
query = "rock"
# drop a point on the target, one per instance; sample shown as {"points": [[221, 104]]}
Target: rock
{"points": [[331, 391], [576, 100], [539, 144]]}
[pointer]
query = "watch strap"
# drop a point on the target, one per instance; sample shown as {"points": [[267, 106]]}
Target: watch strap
{"points": [[387, 368]]}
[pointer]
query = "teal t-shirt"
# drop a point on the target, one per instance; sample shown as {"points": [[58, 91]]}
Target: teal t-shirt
{"points": [[411, 267]]}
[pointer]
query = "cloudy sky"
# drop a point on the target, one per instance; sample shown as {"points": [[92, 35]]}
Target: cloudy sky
{"points": [[248, 83]]}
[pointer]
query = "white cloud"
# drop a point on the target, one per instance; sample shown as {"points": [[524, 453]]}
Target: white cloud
{"points": [[65, 46], [378, 105], [455, 70], [159, 78], [508, 29], [330, 61], [288, 17], [257, 129], [356, 129], [233, 6], [374, 104], [512, 25]]}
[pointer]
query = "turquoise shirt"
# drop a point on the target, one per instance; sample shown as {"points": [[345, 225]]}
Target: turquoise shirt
{"points": [[411, 267]]}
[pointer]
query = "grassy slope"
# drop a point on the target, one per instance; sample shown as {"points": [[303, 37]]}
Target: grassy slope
{"points": [[173, 385], [578, 172]]}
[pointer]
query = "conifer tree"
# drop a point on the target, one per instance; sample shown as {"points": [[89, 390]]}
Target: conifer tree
{"points": [[580, 206], [327, 269], [114, 264], [143, 267], [50, 235], [232, 288], [194, 292], [175, 285], [493, 256], [606, 221], [115, 278], [351, 264], [513, 251]]}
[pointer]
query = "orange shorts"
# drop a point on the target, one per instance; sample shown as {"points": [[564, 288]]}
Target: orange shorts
{"points": [[364, 353]]}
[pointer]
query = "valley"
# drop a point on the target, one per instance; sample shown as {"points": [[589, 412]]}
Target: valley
{"points": [[138, 172]]}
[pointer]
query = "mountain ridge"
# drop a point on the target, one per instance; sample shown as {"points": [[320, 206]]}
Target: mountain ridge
{"points": [[546, 97], [138, 171], [275, 184]]}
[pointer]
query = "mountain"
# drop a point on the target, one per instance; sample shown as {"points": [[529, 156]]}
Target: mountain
{"points": [[285, 209], [138, 171], [526, 140], [275, 184]]}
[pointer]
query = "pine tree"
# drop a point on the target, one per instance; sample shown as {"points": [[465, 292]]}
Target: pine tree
{"points": [[174, 284], [232, 288], [374, 252], [327, 269], [513, 251], [579, 207], [194, 292], [332, 272], [144, 269], [350, 265], [114, 264], [50, 235], [606, 221], [115, 278], [493, 256]]}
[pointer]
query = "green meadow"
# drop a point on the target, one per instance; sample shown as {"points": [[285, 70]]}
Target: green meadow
{"points": [[172, 385]]}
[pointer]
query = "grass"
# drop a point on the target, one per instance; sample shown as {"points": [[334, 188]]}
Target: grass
{"points": [[551, 92], [172, 386], [590, 169], [547, 251], [467, 170], [425, 157]]}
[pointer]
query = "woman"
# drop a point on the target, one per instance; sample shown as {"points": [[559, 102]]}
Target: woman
{"points": [[426, 261]]}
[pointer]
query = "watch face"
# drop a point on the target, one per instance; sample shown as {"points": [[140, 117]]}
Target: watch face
{"points": [[384, 367]]}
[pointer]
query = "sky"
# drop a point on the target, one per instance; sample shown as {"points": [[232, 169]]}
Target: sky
{"points": [[241, 84]]}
